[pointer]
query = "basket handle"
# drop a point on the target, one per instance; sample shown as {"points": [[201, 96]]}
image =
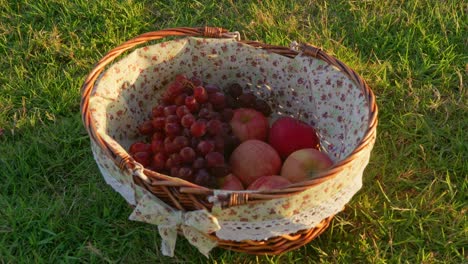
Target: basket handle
{"points": [[122, 159]]}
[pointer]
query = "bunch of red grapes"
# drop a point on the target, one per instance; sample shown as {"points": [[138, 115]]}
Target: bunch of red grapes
{"points": [[189, 131]]}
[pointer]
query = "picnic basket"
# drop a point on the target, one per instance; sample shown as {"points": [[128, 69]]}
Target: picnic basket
{"points": [[301, 81]]}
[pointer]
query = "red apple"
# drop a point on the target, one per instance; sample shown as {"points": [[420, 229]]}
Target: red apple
{"points": [[253, 159], [288, 134], [231, 182], [248, 124], [304, 164], [268, 183]]}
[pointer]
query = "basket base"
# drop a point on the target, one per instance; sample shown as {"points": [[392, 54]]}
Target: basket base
{"points": [[277, 245]]}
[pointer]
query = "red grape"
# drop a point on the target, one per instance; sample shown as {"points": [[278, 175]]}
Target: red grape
{"points": [[218, 100], [214, 159], [172, 162], [234, 90], [186, 173], [227, 114], [158, 135], [186, 132], [198, 163], [180, 99], [192, 104], [157, 146], [167, 140], [198, 128], [181, 78], [172, 129], [167, 99], [144, 158], [172, 119], [157, 111], [211, 88], [262, 106], [175, 88], [169, 146], [247, 100], [231, 102], [158, 123], [203, 178], [139, 147], [159, 161], [214, 127], [204, 113], [194, 142], [180, 142], [182, 110], [227, 129], [188, 88], [200, 94], [169, 165], [196, 81], [187, 154], [208, 106], [176, 159], [170, 110], [174, 171], [205, 147], [146, 128], [219, 143], [187, 120], [214, 115], [190, 131]]}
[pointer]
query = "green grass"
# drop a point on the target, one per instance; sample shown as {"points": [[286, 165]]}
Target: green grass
{"points": [[56, 208]]}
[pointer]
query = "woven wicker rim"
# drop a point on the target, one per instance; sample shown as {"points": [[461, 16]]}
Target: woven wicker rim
{"points": [[125, 161], [184, 195]]}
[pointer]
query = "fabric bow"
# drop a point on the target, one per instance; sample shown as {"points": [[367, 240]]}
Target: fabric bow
{"points": [[195, 225]]}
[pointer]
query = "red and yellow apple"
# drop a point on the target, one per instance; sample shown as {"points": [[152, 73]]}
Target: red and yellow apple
{"points": [[231, 182], [268, 183], [305, 164], [288, 134], [248, 124], [253, 159]]}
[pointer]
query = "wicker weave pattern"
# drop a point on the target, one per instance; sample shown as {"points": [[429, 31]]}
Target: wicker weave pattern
{"points": [[186, 196]]}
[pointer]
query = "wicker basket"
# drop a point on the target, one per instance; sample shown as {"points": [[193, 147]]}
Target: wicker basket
{"points": [[185, 196]]}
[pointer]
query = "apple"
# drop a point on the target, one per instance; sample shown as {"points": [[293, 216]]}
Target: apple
{"points": [[304, 164], [269, 182], [253, 159], [288, 134], [248, 124], [231, 182]]}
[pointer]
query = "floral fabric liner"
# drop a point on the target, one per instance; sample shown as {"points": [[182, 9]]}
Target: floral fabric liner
{"points": [[195, 225], [303, 87]]}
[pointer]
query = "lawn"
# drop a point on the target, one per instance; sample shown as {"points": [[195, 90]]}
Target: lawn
{"points": [[56, 208]]}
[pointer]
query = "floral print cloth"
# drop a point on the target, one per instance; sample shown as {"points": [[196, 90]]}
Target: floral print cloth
{"points": [[195, 225], [303, 87]]}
